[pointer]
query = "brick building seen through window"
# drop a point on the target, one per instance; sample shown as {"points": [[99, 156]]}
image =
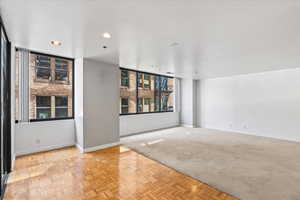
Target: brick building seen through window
{"points": [[142, 93], [50, 86]]}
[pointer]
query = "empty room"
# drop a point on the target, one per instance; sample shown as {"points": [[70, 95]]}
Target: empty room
{"points": [[150, 100]]}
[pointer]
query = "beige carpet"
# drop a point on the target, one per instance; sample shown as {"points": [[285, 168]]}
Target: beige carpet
{"points": [[247, 167]]}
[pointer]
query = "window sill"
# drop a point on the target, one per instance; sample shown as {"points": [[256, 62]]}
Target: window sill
{"points": [[50, 119], [141, 113]]}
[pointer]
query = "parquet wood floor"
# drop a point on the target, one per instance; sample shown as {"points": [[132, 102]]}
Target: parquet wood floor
{"points": [[115, 173]]}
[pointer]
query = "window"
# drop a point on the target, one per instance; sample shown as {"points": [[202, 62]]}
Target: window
{"points": [[124, 78], [147, 81], [43, 69], [144, 80], [166, 93], [61, 69], [49, 93], [148, 93], [61, 106], [144, 104], [43, 107], [124, 105]]}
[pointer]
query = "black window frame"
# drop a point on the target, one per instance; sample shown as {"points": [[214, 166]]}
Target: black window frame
{"points": [[137, 88], [73, 86]]}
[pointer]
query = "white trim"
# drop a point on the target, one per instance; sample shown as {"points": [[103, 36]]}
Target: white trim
{"points": [[149, 131], [187, 125], [13, 161], [42, 149], [79, 148], [253, 134], [104, 146]]}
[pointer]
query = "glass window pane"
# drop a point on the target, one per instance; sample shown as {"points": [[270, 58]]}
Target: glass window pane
{"points": [[61, 76], [128, 92], [43, 70], [124, 106], [140, 105], [61, 69], [43, 101], [146, 81], [61, 106], [157, 93], [61, 112], [43, 113], [58, 88], [166, 92], [61, 101], [42, 73], [124, 78], [43, 107], [140, 79], [146, 92]]}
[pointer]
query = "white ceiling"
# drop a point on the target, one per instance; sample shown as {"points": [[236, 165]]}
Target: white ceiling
{"points": [[216, 37]]}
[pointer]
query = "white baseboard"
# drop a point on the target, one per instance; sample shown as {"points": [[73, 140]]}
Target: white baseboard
{"points": [[13, 161], [90, 149], [42, 149], [148, 130], [188, 125], [80, 148], [254, 134]]}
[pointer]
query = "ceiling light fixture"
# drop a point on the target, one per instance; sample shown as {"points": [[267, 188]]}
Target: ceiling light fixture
{"points": [[55, 43], [174, 44], [106, 35]]}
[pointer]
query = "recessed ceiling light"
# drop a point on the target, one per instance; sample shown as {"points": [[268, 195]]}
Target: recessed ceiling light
{"points": [[106, 35], [55, 43], [174, 44]]}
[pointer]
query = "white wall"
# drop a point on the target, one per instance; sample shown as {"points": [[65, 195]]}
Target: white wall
{"points": [[41, 136], [265, 104], [188, 102], [101, 95], [78, 109], [131, 124]]}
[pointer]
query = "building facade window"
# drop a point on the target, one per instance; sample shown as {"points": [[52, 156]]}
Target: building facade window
{"points": [[147, 93], [144, 80], [124, 106], [43, 68], [43, 107], [49, 86], [124, 78], [61, 70], [61, 106]]}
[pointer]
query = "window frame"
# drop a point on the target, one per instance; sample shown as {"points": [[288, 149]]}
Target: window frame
{"points": [[73, 86], [137, 92]]}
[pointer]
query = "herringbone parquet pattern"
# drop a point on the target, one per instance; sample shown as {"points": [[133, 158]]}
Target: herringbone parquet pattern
{"points": [[110, 174]]}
